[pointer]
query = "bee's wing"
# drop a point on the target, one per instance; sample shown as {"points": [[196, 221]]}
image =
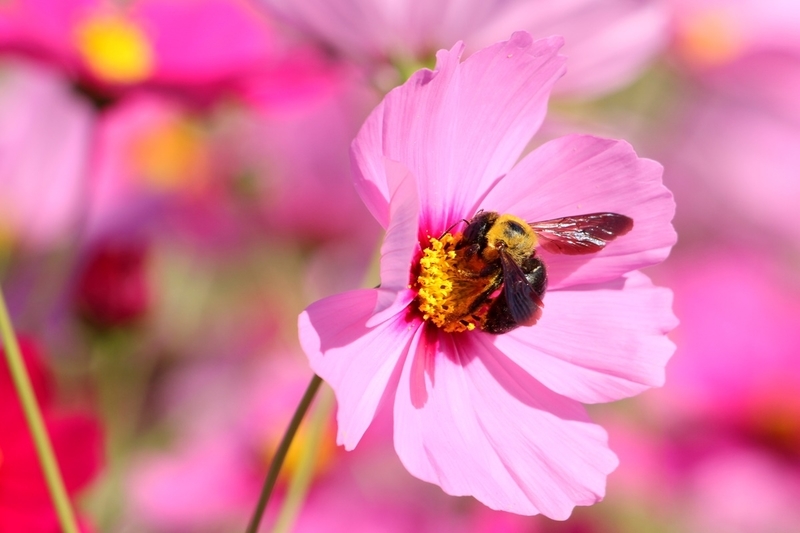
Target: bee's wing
{"points": [[582, 234], [523, 303]]}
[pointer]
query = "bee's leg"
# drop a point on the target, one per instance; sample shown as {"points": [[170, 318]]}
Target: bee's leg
{"points": [[498, 319], [484, 296]]}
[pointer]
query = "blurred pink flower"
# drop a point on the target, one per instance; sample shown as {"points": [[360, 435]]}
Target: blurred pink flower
{"points": [[45, 134], [741, 491], [295, 161], [25, 503], [608, 43], [149, 151], [200, 48], [734, 166], [735, 375], [730, 150], [710, 34], [497, 416], [210, 478]]}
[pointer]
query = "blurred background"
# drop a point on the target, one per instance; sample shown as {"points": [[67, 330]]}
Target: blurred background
{"points": [[175, 189]]}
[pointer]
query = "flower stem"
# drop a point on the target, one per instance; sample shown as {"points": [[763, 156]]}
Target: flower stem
{"points": [[280, 453], [301, 480], [44, 448]]}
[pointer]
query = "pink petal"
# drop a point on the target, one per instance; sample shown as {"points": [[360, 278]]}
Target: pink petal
{"points": [[45, 136], [204, 41], [596, 344], [78, 444], [356, 360], [369, 30], [428, 124], [356, 27], [608, 42], [487, 429], [580, 174], [399, 245]]}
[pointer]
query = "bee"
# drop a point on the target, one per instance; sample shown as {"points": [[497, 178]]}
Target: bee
{"points": [[500, 280]]}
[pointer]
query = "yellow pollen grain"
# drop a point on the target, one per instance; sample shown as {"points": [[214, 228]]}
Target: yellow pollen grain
{"points": [[435, 284], [115, 49]]}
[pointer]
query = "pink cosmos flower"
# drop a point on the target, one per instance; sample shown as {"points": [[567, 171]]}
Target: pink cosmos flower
{"points": [[498, 417], [149, 152], [25, 503], [201, 49], [608, 42]]}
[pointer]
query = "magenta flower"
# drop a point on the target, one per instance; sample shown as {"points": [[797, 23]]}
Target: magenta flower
{"points": [[201, 50], [497, 417], [25, 503]]}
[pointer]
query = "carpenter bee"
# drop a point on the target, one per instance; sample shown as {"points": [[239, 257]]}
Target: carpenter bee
{"points": [[501, 281]]}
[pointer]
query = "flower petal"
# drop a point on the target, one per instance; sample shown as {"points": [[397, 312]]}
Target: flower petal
{"points": [[78, 444], [488, 429], [598, 343], [608, 42], [399, 245], [425, 125], [357, 361], [580, 174]]}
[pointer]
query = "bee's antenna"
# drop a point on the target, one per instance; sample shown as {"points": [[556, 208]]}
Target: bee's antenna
{"points": [[453, 225]]}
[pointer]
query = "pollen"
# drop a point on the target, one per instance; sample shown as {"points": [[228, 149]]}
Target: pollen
{"points": [[435, 285]]}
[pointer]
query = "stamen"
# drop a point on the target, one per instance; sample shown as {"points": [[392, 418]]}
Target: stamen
{"points": [[435, 285]]}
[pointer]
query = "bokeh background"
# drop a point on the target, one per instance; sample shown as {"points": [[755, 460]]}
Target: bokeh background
{"points": [[175, 189]]}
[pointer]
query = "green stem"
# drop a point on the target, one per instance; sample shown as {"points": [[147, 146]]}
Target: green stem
{"points": [[303, 474], [44, 448], [280, 453]]}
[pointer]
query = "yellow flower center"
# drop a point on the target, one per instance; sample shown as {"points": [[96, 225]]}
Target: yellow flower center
{"points": [[711, 37], [435, 286], [171, 155], [115, 48]]}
